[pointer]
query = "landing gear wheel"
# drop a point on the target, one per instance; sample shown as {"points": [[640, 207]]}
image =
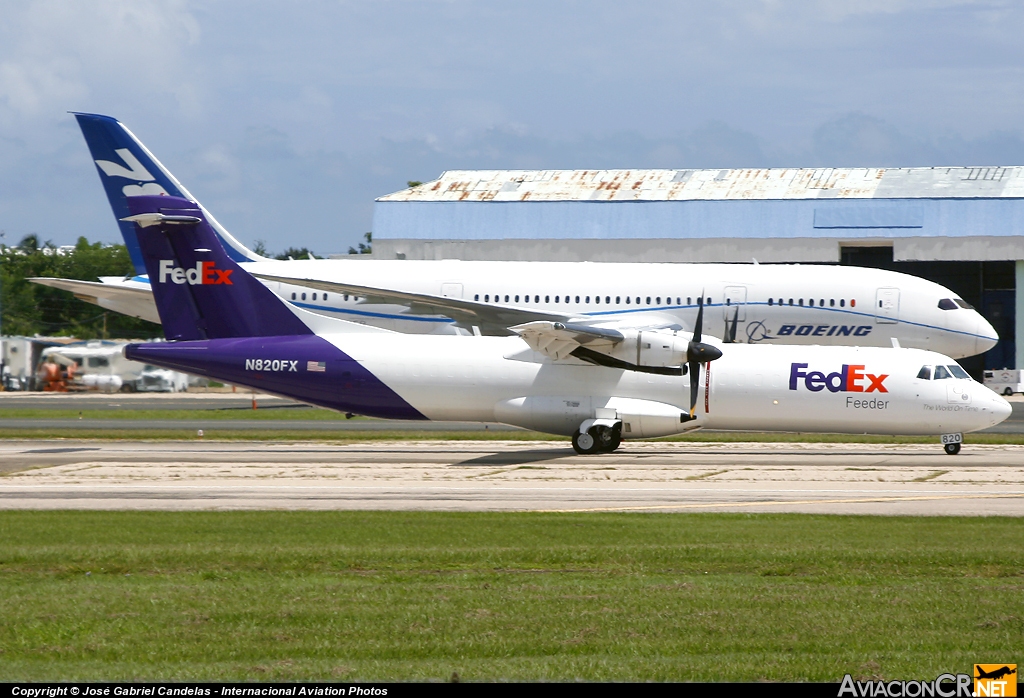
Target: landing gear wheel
{"points": [[952, 449], [607, 438], [584, 444]]}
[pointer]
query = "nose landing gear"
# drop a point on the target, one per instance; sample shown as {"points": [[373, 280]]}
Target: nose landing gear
{"points": [[951, 443]]}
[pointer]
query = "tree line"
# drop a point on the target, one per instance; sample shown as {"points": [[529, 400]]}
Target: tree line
{"points": [[30, 309]]}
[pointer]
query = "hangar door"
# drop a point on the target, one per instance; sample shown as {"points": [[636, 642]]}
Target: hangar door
{"points": [[887, 305]]}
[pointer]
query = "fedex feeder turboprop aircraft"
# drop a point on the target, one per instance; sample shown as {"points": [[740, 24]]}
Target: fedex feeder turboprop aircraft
{"points": [[771, 304], [597, 385]]}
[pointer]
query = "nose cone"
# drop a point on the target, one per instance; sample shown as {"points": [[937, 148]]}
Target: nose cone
{"points": [[1001, 409], [986, 335], [994, 409]]}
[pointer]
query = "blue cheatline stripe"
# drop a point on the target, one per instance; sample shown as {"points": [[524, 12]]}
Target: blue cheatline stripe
{"points": [[803, 307], [364, 313]]}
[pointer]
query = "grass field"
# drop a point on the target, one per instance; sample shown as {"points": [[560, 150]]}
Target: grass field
{"points": [[394, 595]]}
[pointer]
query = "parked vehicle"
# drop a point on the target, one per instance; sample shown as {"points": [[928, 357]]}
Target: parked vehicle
{"points": [[1006, 381], [161, 380]]}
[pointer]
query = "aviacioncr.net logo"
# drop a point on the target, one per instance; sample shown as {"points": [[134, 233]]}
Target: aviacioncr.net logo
{"points": [[202, 274]]}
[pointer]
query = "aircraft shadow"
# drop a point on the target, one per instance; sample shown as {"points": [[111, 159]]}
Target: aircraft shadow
{"points": [[518, 458]]}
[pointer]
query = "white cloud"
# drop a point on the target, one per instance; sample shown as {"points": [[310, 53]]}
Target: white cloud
{"points": [[54, 55]]}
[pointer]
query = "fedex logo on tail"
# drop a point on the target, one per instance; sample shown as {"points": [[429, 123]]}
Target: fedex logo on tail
{"points": [[202, 274], [850, 379]]}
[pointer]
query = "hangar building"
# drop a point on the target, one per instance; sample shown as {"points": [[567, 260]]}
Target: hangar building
{"points": [[962, 227]]}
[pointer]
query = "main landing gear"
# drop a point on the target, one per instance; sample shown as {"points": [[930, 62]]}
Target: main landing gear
{"points": [[597, 439], [952, 449]]}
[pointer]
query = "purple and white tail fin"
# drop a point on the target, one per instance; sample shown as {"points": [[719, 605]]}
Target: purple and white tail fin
{"points": [[200, 291]]}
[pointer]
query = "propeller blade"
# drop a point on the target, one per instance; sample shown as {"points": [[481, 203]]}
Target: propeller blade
{"points": [[700, 318], [730, 330], [698, 353], [694, 370]]}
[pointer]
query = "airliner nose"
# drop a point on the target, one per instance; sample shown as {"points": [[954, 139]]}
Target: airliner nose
{"points": [[985, 336], [1001, 409]]}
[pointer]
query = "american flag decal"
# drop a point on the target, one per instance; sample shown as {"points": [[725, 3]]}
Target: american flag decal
{"points": [[318, 366]]}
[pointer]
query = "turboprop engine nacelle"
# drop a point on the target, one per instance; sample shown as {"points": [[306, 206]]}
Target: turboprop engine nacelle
{"points": [[564, 414], [651, 348]]}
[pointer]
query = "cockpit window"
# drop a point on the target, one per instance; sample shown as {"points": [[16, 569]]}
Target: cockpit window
{"points": [[963, 304], [941, 372], [925, 373], [958, 372], [947, 304]]}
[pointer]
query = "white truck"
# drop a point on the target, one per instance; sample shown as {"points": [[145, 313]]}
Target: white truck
{"points": [[1004, 382]]}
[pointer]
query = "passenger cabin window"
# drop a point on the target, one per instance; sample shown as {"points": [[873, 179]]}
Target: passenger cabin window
{"points": [[831, 302], [293, 296], [941, 372], [925, 373], [476, 297], [810, 302], [314, 296], [963, 304], [842, 302], [303, 296], [947, 304], [771, 301]]}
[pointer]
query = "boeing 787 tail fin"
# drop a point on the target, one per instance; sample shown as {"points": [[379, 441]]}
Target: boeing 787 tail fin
{"points": [[127, 169]]}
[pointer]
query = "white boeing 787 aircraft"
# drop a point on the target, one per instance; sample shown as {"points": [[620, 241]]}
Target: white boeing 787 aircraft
{"points": [[772, 304]]}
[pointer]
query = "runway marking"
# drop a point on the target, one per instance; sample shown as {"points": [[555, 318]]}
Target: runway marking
{"points": [[774, 502]]}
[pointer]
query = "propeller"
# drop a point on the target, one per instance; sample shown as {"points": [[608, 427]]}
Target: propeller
{"points": [[730, 331], [697, 353]]}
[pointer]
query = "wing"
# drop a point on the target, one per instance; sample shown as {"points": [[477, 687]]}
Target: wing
{"points": [[119, 297], [558, 340], [629, 349], [491, 318]]}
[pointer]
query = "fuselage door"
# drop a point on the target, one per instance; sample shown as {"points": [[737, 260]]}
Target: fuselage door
{"points": [[735, 299], [887, 305], [451, 290]]}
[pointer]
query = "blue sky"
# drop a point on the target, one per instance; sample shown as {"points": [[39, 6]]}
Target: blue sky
{"points": [[286, 119]]}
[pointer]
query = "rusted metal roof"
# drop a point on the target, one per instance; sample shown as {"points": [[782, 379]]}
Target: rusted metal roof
{"points": [[692, 185]]}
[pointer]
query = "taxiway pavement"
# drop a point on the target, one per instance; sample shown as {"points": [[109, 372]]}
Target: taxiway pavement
{"points": [[514, 476]]}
